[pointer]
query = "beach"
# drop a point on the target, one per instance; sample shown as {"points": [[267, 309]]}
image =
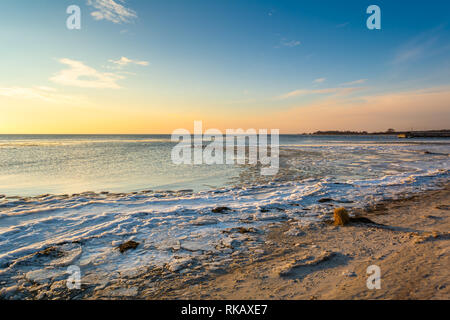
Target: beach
{"points": [[412, 249], [409, 240], [257, 237]]}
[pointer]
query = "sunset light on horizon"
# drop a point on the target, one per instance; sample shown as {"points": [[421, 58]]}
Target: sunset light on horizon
{"points": [[145, 67]]}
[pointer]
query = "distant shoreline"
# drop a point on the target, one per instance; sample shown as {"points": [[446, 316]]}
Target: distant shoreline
{"points": [[400, 134], [444, 133]]}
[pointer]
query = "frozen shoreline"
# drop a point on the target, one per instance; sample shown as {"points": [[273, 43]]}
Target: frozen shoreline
{"points": [[172, 228], [42, 274]]}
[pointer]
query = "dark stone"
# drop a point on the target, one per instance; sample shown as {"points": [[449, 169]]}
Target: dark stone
{"points": [[324, 200], [221, 210], [128, 245], [241, 230]]}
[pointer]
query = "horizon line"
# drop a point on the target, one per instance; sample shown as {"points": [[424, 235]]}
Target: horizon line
{"points": [[302, 133]]}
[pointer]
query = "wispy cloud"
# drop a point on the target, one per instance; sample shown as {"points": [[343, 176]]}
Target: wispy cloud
{"points": [[80, 75], [289, 43], [43, 93], [425, 44], [112, 10], [124, 61], [352, 83], [327, 91], [320, 80], [411, 53]]}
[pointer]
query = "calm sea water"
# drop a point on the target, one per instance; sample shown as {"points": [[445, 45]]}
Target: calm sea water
{"points": [[58, 164]]}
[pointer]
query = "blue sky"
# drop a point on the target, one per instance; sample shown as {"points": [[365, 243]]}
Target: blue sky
{"points": [[220, 60]]}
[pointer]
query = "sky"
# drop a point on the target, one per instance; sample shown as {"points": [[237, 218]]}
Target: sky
{"points": [[154, 66]]}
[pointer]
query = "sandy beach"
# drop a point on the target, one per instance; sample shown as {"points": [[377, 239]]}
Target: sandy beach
{"points": [[412, 248], [409, 240]]}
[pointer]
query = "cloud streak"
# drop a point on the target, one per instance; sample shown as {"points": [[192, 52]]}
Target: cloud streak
{"points": [[288, 43], [327, 91], [80, 75], [124, 61], [320, 80], [112, 10], [46, 94], [424, 45], [352, 83]]}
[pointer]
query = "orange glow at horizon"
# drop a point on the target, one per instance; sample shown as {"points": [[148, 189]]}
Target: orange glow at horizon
{"points": [[420, 110]]}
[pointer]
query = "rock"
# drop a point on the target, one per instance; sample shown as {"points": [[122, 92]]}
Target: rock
{"points": [[241, 230], [341, 217], [127, 246], [325, 200], [221, 210]]}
